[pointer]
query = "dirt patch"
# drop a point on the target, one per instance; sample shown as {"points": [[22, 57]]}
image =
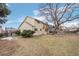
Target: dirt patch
{"points": [[7, 48]]}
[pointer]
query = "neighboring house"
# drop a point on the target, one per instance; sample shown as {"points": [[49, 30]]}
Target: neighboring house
{"points": [[10, 31], [1, 30], [30, 23]]}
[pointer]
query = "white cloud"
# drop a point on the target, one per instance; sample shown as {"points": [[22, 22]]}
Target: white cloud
{"points": [[69, 24], [41, 18], [9, 22], [17, 20], [14, 23], [20, 18], [35, 12], [7, 4]]}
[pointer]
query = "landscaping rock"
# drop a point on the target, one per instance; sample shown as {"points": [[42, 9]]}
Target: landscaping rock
{"points": [[8, 38]]}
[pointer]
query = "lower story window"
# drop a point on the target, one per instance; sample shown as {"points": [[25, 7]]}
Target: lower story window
{"points": [[40, 29]]}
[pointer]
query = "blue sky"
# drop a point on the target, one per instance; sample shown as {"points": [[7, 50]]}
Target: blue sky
{"points": [[18, 12]]}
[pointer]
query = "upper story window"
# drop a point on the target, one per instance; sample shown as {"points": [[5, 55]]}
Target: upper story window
{"points": [[38, 21]]}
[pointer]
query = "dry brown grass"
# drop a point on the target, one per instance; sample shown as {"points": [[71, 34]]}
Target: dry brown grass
{"points": [[67, 44], [46, 45]]}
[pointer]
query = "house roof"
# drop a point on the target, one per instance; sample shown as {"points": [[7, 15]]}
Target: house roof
{"points": [[38, 20], [33, 19]]}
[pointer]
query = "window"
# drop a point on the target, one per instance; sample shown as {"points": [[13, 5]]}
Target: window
{"points": [[35, 29]]}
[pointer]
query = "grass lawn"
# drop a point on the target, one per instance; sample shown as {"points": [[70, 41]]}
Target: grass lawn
{"points": [[48, 45]]}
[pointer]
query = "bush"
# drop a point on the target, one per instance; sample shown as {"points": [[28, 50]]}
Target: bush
{"points": [[27, 33], [1, 35], [18, 32]]}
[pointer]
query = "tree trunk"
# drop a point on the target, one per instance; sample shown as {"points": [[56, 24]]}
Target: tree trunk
{"points": [[56, 29]]}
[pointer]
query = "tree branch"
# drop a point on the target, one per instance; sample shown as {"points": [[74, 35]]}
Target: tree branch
{"points": [[72, 18]]}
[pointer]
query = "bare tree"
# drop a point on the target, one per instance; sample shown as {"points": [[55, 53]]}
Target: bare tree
{"points": [[59, 13]]}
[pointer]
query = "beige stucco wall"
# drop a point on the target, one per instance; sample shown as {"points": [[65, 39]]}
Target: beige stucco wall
{"points": [[26, 26], [40, 26], [1, 30]]}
